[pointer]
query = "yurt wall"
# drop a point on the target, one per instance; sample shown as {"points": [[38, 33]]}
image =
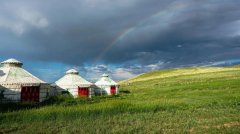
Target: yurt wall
{"points": [[75, 90], [107, 89], [25, 93]]}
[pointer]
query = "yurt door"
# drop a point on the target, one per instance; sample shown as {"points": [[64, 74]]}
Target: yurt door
{"points": [[30, 93], [82, 91], [113, 90]]}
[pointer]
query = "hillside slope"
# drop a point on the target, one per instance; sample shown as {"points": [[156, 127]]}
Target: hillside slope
{"points": [[188, 100], [180, 72]]}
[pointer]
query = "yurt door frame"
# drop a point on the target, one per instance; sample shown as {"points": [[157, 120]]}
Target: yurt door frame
{"points": [[30, 93], [113, 90], [83, 91]]}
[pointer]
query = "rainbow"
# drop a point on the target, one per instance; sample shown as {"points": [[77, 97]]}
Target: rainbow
{"points": [[175, 8], [120, 37]]}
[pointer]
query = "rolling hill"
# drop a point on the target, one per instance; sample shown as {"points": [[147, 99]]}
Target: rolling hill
{"points": [[186, 100]]}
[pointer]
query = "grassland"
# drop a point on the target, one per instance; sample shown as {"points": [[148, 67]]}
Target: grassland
{"points": [[189, 100]]}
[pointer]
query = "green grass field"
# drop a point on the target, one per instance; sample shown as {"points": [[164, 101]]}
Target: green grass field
{"points": [[189, 100]]}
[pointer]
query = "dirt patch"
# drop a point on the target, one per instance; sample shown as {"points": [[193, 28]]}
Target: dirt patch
{"points": [[228, 125], [231, 124], [191, 130]]}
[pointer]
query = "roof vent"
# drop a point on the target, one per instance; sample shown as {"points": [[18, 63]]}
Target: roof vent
{"points": [[72, 71], [12, 62], [105, 75]]}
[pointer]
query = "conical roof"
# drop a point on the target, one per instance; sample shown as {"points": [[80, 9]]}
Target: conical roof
{"points": [[12, 72], [72, 79], [105, 80]]}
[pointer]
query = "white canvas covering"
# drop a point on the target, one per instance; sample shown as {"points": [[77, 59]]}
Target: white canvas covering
{"points": [[70, 82], [104, 85], [13, 76]]}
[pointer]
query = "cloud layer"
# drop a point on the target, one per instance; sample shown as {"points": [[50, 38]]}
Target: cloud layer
{"points": [[123, 34]]}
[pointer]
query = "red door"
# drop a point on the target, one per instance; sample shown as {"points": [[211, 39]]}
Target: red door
{"points": [[30, 93], [113, 90], [83, 91]]}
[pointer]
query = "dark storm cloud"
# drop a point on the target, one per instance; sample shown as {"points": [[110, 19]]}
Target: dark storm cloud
{"points": [[196, 33], [140, 32], [74, 29]]}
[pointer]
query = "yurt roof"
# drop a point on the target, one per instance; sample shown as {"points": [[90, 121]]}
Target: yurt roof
{"points": [[105, 80], [72, 78], [11, 72]]}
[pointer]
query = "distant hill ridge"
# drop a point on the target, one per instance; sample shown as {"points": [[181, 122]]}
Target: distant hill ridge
{"points": [[178, 72]]}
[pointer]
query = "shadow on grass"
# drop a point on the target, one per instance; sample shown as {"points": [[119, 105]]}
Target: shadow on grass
{"points": [[62, 100], [11, 106], [125, 91]]}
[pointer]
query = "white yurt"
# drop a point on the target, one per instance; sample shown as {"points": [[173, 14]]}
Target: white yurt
{"points": [[17, 84], [107, 86], [74, 84]]}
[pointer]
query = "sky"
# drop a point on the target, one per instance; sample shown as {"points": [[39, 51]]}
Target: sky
{"points": [[123, 38]]}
